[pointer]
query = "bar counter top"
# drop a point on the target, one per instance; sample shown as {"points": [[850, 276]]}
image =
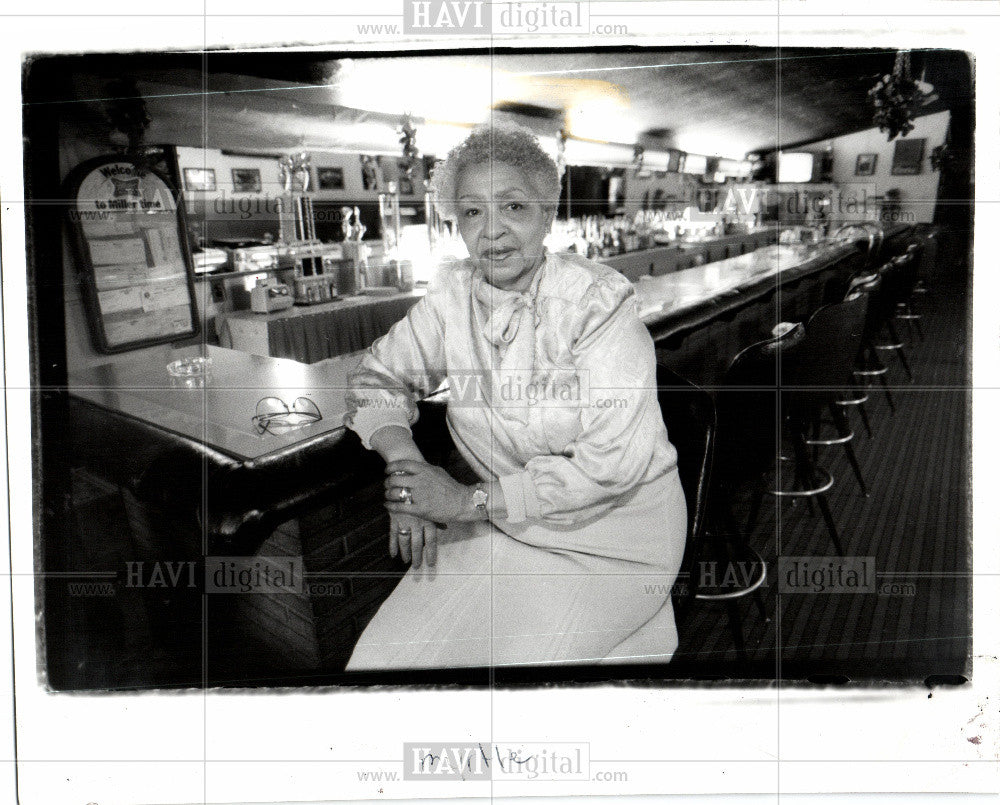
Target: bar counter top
{"points": [[668, 302]]}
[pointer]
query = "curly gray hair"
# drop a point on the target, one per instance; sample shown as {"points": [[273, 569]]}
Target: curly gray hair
{"points": [[500, 141]]}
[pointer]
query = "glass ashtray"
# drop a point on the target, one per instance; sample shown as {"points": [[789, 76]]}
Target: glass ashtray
{"points": [[190, 367]]}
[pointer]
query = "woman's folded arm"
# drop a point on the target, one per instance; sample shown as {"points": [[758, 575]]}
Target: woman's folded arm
{"points": [[622, 429], [404, 365]]}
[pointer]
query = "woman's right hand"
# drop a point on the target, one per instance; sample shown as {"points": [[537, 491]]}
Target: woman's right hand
{"points": [[418, 541]]}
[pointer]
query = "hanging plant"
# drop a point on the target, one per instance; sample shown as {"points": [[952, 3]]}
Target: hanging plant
{"points": [[896, 98], [409, 142], [127, 114], [942, 157]]}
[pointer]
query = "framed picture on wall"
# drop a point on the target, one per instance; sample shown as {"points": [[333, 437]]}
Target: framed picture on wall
{"points": [[865, 166], [199, 179], [908, 157], [405, 186], [246, 180], [330, 178]]}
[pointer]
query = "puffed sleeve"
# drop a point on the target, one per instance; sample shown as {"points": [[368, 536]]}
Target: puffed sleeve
{"points": [[405, 364], [622, 429]]}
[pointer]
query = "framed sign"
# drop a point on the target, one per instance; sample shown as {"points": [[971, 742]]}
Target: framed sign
{"points": [[132, 254], [330, 178], [199, 179], [865, 165], [246, 180], [908, 157]]}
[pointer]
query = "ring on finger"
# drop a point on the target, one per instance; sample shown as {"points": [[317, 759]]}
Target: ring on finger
{"points": [[404, 532], [405, 495]]}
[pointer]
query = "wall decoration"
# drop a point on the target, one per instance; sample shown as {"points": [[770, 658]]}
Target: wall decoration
{"points": [[908, 157], [246, 180], [942, 157], [129, 118], [865, 165], [369, 173], [295, 172], [130, 239], [638, 157], [408, 140], [201, 179], [330, 178], [405, 186]]}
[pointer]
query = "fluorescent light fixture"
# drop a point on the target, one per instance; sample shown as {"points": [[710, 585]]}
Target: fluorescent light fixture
{"points": [[581, 152], [695, 163]]}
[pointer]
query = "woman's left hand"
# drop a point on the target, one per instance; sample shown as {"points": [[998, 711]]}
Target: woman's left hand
{"points": [[434, 494]]}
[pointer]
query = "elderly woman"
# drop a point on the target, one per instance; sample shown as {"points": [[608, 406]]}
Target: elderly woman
{"points": [[567, 548]]}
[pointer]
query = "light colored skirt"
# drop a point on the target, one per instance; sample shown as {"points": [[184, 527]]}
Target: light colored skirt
{"points": [[548, 596]]}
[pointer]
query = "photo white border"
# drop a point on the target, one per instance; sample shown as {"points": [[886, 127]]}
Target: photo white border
{"points": [[195, 747]]}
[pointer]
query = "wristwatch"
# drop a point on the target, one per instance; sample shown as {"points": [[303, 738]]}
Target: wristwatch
{"points": [[480, 498]]}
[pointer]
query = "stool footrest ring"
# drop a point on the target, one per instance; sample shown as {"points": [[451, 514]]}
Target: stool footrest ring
{"points": [[827, 442], [744, 590], [853, 401], [825, 484]]}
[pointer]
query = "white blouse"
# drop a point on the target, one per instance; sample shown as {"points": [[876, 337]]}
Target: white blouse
{"points": [[552, 390]]}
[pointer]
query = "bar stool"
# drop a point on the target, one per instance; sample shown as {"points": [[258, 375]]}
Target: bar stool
{"points": [[869, 366], [689, 414], [816, 372], [751, 431], [907, 265], [892, 290], [853, 394], [928, 258]]}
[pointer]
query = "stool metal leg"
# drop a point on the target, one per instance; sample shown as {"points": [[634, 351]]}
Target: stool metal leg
{"points": [[888, 394], [864, 418], [759, 600], [802, 455], [722, 545], [844, 429], [900, 352]]}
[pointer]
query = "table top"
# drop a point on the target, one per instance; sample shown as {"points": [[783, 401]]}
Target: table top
{"points": [[219, 412], [669, 294]]}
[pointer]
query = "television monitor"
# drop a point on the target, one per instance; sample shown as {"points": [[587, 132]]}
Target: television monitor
{"points": [[795, 167]]}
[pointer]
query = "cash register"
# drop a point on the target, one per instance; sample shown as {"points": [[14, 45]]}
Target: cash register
{"points": [[270, 295]]}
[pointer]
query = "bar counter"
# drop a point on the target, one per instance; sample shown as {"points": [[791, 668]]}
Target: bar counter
{"points": [[685, 254]]}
